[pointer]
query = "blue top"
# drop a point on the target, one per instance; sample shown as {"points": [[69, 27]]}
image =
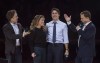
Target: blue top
{"points": [[61, 32]]}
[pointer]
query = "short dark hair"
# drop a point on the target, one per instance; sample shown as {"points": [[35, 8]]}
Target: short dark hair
{"points": [[86, 13], [10, 14], [56, 9]]}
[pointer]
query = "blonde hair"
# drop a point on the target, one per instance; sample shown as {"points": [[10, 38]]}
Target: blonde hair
{"points": [[35, 21]]}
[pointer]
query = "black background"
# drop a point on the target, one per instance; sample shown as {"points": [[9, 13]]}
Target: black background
{"points": [[27, 9]]}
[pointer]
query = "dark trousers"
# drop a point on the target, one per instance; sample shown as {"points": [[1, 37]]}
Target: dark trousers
{"points": [[83, 59], [15, 57], [40, 55], [55, 53]]}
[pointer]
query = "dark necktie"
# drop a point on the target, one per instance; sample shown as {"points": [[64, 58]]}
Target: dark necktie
{"points": [[54, 32]]}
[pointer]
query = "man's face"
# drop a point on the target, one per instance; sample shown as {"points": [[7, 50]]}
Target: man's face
{"points": [[83, 18], [14, 19], [55, 15]]}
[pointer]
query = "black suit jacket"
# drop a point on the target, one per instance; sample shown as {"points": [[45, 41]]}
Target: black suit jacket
{"points": [[10, 37], [87, 40]]}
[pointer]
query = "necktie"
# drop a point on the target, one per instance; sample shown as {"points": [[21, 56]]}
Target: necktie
{"points": [[54, 32]]}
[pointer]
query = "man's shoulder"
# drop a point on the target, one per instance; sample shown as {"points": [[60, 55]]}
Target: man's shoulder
{"points": [[49, 23], [91, 24], [61, 22], [6, 25]]}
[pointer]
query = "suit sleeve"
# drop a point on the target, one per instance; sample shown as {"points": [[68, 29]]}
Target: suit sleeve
{"points": [[72, 27], [87, 33], [9, 35]]}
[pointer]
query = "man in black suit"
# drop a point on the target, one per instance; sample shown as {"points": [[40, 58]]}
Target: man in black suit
{"points": [[86, 41], [13, 35]]}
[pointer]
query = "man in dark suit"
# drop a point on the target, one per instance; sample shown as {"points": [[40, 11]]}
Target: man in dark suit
{"points": [[13, 35], [86, 41]]}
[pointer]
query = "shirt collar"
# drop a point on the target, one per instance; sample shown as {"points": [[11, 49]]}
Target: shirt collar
{"points": [[56, 21], [13, 24], [87, 23]]}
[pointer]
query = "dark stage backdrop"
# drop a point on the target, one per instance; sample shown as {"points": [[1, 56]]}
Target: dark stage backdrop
{"points": [[27, 9]]}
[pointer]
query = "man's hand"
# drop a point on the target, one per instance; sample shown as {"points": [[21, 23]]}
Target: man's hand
{"points": [[78, 27], [66, 53], [33, 55], [25, 33], [67, 18]]}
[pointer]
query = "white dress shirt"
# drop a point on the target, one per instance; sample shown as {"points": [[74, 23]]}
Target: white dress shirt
{"points": [[61, 32], [16, 30]]}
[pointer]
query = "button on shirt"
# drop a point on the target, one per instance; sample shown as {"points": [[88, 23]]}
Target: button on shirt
{"points": [[61, 32], [16, 30]]}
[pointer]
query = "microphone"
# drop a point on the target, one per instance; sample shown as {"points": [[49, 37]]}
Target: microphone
{"points": [[26, 29], [81, 24]]}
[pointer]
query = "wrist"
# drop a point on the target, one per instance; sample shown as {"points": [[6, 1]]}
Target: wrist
{"points": [[68, 22], [67, 49]]}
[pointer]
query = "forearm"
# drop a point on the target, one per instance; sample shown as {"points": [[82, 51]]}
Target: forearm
{"points": [[66, 46], [71, 26]]}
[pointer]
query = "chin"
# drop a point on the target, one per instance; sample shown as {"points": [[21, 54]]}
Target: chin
{"points": [[42, 24], [54, 19]]}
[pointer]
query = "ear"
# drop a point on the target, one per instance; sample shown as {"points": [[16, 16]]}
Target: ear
{"points": [[11, 19]]}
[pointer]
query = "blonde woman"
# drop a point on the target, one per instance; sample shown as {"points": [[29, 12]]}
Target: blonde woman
{"points": [[37, 39]]}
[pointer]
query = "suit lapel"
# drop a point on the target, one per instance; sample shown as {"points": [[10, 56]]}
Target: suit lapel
{"points": [[10, 26], [88, 25], [19, 28]]}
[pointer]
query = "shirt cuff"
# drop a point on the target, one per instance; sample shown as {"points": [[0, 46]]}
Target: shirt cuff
{"points": [[78, 29], [69, 22], [66, 42]]}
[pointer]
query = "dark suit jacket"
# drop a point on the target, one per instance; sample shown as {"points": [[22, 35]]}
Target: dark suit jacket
{"points": [[10, 37], [87, 40]]}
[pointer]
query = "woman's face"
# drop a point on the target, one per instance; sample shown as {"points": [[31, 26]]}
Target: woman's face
{"points": [[41, 22], [84, 19]]}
